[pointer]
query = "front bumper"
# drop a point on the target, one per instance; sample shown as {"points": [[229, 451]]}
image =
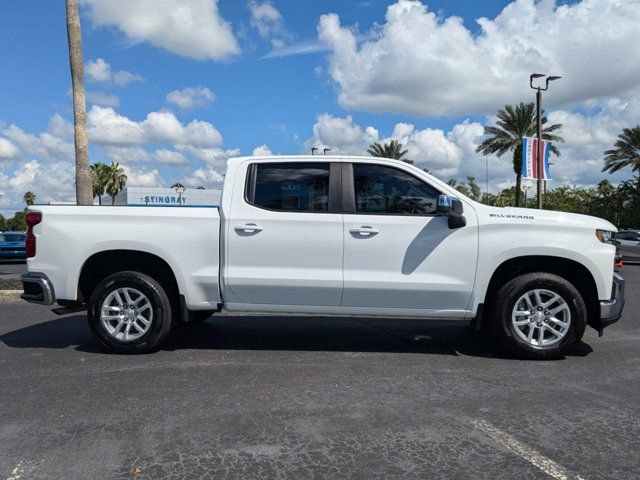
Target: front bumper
{"points": [[611, 310], [37, 288]]}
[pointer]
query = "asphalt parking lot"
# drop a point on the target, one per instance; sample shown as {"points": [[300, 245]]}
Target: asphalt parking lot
{"points": [[12, 267], [291, 397]]}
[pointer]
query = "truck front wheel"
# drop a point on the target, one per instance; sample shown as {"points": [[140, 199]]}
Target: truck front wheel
{"points": [[129, 312], [538, 316]]}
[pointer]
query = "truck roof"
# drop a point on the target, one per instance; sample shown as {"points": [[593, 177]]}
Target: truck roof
{"points": [[304, 158]]}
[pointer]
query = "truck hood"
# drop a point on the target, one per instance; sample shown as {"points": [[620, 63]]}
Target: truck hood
{"points": [[549, 217]]}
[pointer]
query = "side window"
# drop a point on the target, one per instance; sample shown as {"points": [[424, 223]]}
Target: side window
{"points": [[387, 190], [290, 187]]}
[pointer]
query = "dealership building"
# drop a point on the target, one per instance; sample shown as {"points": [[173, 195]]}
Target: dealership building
{"points": [[168, 197]]}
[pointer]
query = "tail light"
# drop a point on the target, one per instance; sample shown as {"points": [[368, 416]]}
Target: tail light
{"points": [[32, 219]]}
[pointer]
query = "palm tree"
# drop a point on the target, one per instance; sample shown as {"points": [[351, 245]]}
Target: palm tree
{"points": [[99, 177], [626, 152], [388, 150], [29, 198], [513, 124], [116, 180], [84, 191]]}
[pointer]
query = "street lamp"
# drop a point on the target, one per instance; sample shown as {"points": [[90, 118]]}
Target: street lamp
{"points": [[539, 91]]}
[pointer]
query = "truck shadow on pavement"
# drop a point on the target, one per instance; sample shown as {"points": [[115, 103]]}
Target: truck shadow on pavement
{"points": [[332, 334]]}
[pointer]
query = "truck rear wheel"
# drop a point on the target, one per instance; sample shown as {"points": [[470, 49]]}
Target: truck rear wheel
{"points": [[538, 316], [129, 312]]}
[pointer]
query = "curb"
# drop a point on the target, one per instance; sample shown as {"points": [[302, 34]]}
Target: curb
{"points": [[10, 296]]}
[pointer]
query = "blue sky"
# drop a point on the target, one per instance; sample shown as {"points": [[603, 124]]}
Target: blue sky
{"points": [[426, 73]]}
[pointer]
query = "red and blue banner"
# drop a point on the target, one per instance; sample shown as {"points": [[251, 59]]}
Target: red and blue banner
{"points": [[530, 159]]}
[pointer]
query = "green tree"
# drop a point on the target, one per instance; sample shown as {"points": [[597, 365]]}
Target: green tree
{"points": [[116, 180], [388, 150], [506, 136], [17, 223], [3, 223], [471, 189], [29, 198], [626, 152], [99, 178]]}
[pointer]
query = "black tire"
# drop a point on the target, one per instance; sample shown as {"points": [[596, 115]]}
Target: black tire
{"points": [[506, 299], [160, 305]]}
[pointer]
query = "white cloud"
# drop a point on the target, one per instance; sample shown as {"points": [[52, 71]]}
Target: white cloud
{"points": [[126, 154], [169, 157], [452, 153], [143, 177], [97, 70], [261, 151], [191, 28], [7, 149], [301, 48], [205, 177], [55, 143], [341, 135], [420, 63], [102, 99], [191, 97], [123, 77], [269, 22], [214, 156], [108, 127], [588, 136], [100, 71], [50, 181]]}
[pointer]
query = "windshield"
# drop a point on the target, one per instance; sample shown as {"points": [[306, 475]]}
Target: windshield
{"points": [[11, 237]]}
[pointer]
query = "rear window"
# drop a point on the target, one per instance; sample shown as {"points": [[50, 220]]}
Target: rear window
{"points": [[12, 237], [290, 187]]}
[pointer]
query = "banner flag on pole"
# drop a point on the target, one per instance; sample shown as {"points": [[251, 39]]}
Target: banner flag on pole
{"points": [[530, 158]]}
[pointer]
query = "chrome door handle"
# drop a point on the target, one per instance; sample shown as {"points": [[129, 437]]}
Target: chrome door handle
{"points": [[364, 230], [248, 228]]}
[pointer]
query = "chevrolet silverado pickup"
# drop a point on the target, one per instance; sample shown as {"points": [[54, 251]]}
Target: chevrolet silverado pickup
{"points": [[348, 236]]}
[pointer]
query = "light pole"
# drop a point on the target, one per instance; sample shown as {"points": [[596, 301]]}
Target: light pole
{"points": [[539, 91], [526, 188]]}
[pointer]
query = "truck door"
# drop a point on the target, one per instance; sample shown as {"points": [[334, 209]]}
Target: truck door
{"points": [[397, 252], [284, 240]]}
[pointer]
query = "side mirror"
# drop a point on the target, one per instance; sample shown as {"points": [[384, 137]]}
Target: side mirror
{"points": [[452, 208]]}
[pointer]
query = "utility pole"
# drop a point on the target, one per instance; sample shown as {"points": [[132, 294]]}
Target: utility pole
{"points": [[486, 165], [539, 91]]}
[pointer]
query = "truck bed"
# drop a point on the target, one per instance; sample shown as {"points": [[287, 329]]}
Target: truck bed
{"points": [[72, 234]]}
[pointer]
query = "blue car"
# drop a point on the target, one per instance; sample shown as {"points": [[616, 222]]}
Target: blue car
{"points": [[12, 246]]}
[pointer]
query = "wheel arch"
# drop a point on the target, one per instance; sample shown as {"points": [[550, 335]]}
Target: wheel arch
{"points": [[571, 270], [102, 264]]}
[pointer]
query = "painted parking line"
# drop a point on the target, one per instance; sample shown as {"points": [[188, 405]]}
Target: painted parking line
{"points": [[531, 455]]}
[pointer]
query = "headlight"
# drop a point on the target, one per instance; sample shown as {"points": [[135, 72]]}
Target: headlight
{"points": [[605, 236]]}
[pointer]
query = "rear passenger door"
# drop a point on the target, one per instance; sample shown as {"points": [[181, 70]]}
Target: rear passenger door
{"points": [[284, 240]]}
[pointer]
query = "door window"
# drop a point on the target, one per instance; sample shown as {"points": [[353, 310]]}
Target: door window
{"points": [[386, 190], [290, 187]]}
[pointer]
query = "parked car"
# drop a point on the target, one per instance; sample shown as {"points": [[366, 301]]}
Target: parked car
{"points": [[12, 246], [629, 245], [327, 235]]}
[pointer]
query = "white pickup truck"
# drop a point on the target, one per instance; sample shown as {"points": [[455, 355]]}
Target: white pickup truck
{"points": [[332, 236]]}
